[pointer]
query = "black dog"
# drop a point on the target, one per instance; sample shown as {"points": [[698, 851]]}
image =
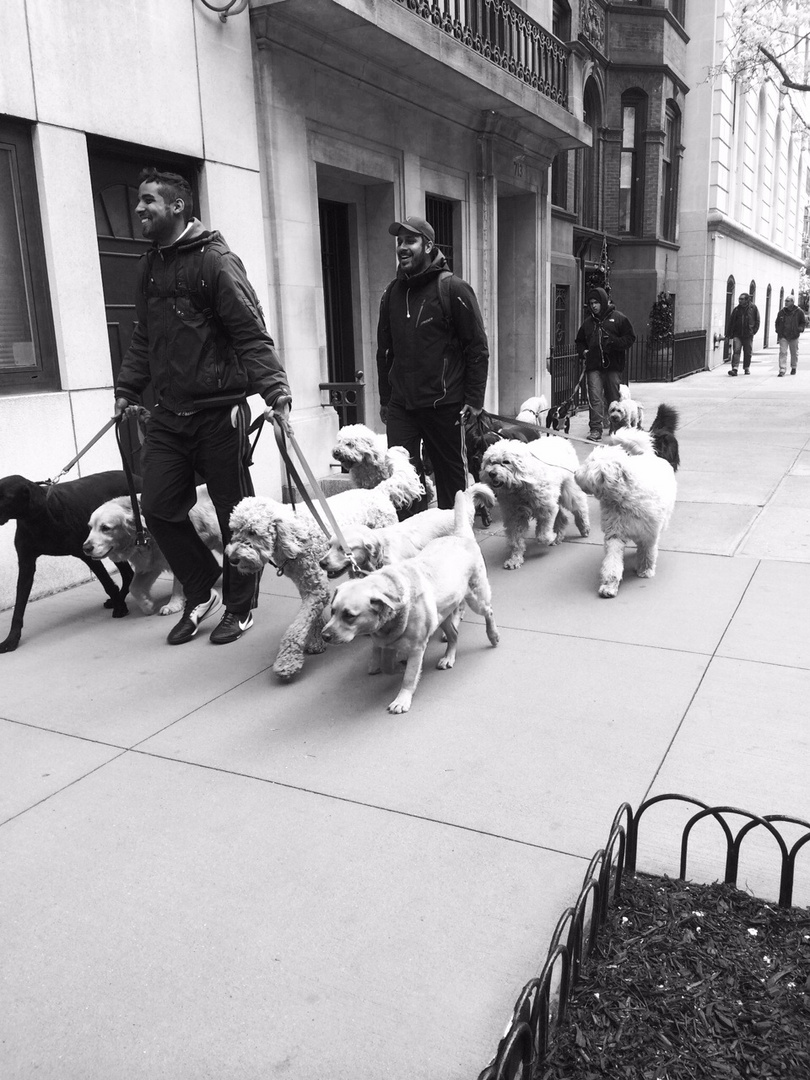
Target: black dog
{"points": [[662, 433], [52, 520]]}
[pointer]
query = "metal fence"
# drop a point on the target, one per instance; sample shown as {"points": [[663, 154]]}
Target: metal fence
{"points": [[647, 361], [543, 1002]]}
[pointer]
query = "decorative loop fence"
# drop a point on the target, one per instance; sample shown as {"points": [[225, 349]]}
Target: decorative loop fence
{"points": [[503, 34], [542, 1004], [348, 399], [647, 361]]}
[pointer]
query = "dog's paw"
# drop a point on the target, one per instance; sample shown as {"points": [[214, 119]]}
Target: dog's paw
{"points": [[286, 669], [400, 704], [609, 589], [313, 648], [514, 563], [120, 610], [646, 571], [171, 608], [585, 530], [445, 664]]}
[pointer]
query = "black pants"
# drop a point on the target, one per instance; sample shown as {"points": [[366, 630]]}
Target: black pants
{"points": [[210, 444], [442, 432]]}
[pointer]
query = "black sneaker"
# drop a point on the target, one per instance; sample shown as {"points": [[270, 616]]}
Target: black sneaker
{"points": [[781, 375], [746, 371], [793, 371], [595, 436], [193, 615], [230, 628], [733, 371]]}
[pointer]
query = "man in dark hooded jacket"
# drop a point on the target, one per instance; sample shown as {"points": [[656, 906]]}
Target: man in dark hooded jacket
{"points": [[742, 324], [432, 358], [202, 343], [602, 342]]}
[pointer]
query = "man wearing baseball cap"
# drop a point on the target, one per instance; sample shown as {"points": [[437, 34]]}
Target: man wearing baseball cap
{"points": [[432, 358]]}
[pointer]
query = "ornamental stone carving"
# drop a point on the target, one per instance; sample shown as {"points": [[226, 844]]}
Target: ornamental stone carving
{"points": [[592, 23]]}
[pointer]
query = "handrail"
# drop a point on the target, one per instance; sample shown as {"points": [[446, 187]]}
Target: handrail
{"points": [[503, 34]]}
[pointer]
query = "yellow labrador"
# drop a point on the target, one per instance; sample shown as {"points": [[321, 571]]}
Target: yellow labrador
{"points": [[401, 606]]}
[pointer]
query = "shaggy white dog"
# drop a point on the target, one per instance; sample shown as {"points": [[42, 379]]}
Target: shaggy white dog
{"points": [[533, 410], [369, 459], [625, 413], [265, 531], [533, 480], [636, 496]]}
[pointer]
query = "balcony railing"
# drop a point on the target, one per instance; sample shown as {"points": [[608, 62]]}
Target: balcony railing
{"points": [[504, 35]]}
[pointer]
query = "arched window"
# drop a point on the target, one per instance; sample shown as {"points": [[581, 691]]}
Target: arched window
{"points": [[767, 320], [631, 169], [670, 168], [752, 291], [588, 200]]}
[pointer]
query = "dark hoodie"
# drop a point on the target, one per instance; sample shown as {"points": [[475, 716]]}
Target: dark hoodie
{"points": [[200, 338], [604, 340], [424, 358]]}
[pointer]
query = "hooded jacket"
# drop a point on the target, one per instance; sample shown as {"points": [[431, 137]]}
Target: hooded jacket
{"points": [[743, 322], [790, 322], [200, 338], [424, 358], [603, 340]]}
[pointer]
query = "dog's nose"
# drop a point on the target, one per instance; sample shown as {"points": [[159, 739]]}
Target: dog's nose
{"points": [[326, 635], [87, 548]]}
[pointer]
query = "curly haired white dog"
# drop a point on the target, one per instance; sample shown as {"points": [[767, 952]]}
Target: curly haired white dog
{"points": [[625, 413], [369, 459], [266, 531], [533, 410], [534, 480], [636, 496]]}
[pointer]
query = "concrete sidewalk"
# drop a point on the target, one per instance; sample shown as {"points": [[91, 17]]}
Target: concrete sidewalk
{"points": [[208, 874]]}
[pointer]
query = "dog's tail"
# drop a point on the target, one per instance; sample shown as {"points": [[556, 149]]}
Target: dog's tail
{"points": [[482, 495], [462, 518], [662, 433], [404, 486]]}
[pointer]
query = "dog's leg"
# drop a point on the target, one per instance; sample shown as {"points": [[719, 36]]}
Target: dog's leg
{"points": [[575, 501], [176, 601], [116, 595], [517, 522], [413, 670], [545, 516], [315, 643], [646, 558], [290, 658], [479, 597], [375, 664], [450, 627], [25, 579], [612, 567]]}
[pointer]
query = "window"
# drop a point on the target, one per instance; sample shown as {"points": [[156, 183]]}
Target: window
{"points": [[752, 291], [561, 20], [439, 212], [669, 174], [27, 344], [562, 304], [632, 164], [588, 162], [678, 9], [559, 180]]}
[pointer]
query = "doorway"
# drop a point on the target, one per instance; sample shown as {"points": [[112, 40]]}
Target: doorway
{"points": [[345, 382]]}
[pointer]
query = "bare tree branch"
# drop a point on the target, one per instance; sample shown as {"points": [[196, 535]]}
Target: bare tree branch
{"points": [[786, 79]]}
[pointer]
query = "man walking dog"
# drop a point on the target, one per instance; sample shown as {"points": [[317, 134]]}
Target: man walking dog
{"points": [[432, 359], [201, 341], [602, 342]]}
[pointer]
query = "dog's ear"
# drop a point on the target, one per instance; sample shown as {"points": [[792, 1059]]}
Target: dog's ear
{"points": [[372, 553], [288, 543]]}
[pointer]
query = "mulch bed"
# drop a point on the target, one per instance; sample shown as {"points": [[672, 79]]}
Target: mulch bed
{"points": [[690, 981]]}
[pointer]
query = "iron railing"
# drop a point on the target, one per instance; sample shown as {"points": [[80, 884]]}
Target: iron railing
{"points": [[542, 1004], [503, 34], [348, 399]]}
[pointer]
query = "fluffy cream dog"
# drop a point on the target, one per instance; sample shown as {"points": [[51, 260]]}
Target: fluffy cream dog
{"points": [[401, 606], [534, 480], [625, 413], [368, 457], [533, 410], [112, 536], [369, 549], [265, 531], [636, 496]]}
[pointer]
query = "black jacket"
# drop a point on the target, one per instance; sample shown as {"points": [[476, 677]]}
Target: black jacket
{"points": [[743, 322], [604, 341], [200, 338], [790, 322], [423, 358]]}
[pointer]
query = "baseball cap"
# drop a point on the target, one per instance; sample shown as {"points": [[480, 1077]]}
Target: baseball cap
{"points": [[414, 225]]}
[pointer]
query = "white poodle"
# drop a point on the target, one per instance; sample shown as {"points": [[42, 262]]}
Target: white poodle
{"points": [[636, 496], [625, 413], [533, 480], [368, 457], [265, 531], [533, 410]]}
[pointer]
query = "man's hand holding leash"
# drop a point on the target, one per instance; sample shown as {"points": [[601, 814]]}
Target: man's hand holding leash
{"points": [[280, 410]]}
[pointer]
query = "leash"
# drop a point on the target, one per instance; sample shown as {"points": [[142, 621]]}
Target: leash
{"points": [[281, 440], [142, 537], [81, 453], [537, 427]]}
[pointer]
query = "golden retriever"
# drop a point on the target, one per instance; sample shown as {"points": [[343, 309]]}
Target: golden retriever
{"points": [[401, 606], [112, 536]]}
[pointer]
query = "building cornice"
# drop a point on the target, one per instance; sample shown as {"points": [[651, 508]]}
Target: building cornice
{"points": [[718, 223]]}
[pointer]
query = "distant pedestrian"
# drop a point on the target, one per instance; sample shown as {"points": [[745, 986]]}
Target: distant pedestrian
{"points": [[790, 323], [602, 342], [742, 324], [432, 358]]}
